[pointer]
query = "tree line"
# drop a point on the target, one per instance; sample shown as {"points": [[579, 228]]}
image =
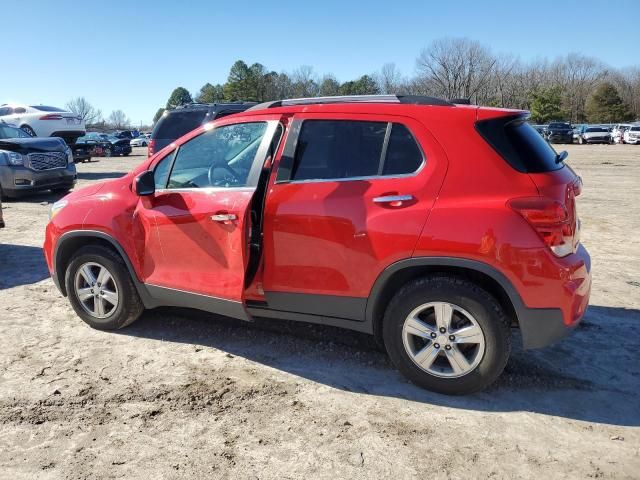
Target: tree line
{"points": [[572, 87]]}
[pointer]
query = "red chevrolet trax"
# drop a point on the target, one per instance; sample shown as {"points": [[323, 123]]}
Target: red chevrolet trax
{"points": [[435, 227]]}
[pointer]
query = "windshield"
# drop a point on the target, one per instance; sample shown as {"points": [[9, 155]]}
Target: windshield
{"points": [[597, 129], [559, 125], [45, 108], [7, 131]]}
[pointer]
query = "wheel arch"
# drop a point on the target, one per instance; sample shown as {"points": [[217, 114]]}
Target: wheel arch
{"points": [[71, 241], [403, 271]]}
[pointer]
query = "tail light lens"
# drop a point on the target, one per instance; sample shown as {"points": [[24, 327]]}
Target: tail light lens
{"points": [[151, 147], [556, 223], [52, 116]]}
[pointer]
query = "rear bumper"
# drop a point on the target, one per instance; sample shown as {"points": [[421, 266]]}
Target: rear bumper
{"points": [[544, 326], [19, 180]]}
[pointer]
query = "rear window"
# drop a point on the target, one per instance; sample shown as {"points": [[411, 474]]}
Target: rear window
{"points": [[45, 108], [177, 123], [519, 144]]}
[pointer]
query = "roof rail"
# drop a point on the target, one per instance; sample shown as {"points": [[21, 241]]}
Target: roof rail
{"points": [[404, 99]]}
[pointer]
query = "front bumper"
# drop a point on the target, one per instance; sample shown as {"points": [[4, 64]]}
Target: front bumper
{"points": [[16, 180], [544, 326], [561, 137]]}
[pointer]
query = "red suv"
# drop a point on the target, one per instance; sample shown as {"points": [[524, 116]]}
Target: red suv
{"points": [[434, 227]]}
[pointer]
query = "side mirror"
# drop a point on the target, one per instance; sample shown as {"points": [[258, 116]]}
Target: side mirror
{"points": [[145, 184]]}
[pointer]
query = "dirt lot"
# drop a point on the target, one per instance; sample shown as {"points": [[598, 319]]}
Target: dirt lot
{"points": [[186, 395]]}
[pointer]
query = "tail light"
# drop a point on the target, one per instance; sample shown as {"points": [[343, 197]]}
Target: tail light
{"points": [[52, 116], [151, 147], [557, 224]]}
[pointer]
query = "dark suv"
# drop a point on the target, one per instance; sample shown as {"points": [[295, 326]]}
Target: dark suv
{"points": [[434, 227], [175, 123], [559, 132]]}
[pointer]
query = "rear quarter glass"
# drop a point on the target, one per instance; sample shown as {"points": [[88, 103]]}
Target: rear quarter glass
{"points": [[519, 144]]}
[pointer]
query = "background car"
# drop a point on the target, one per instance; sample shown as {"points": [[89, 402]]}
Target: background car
{"points": [[559, 132], [175, 123], [44, 121], [111, 145], [31, 164], [140, 141], [617, 133], [632, 134], [595, 134]]}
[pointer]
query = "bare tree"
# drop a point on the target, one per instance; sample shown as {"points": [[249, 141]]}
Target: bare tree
{"points": [[304, 82], [455, 67], [390, 80], [118, 120], [81, 107]]}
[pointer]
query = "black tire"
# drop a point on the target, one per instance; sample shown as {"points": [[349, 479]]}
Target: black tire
{"points": [[28, 129], [107, 152], [3, 197], [129, 306], [63, 190], [125, 154], [485, 309]]}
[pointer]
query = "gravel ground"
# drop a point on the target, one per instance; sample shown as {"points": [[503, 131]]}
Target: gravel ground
{"points": [[182, 394]]}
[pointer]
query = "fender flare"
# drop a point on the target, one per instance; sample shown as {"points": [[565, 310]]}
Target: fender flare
{"points": [[58, 276]]}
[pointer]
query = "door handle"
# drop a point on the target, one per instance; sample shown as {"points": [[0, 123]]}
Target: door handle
{"points": [[395, 199], [224, 217]]}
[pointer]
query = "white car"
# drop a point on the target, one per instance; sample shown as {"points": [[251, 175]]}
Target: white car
{"points": [[44, 121], [632, 135], [618, 132], [140, 141]]}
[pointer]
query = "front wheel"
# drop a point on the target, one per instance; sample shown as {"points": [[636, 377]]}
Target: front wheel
{"points": [[107, 152], [101, 290], [446, 334], [29, 130]]}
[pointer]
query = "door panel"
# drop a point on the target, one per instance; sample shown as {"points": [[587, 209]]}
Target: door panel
{"points": [[196, 238], [334, 237]]}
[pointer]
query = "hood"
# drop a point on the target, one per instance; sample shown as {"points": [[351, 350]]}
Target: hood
{"points": [[36, 144], [85, 191]]}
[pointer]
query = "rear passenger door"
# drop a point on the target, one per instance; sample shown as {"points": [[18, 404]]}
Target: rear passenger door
{"points": [[351, 196]]}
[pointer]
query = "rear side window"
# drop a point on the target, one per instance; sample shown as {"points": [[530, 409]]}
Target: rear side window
{"points": [[403, 154], [177, 123], [343, 149], [519, 144]]}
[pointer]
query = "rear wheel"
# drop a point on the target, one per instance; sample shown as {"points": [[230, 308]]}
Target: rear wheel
{"points": [[29, 130], [446, 334], [100, 289]]}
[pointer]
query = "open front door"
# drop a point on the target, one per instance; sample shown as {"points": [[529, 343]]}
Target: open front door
{"points": [[196, 251]]}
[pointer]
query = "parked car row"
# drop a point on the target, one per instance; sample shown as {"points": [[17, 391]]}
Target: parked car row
{"points": [[104, 144], [564, 132]]}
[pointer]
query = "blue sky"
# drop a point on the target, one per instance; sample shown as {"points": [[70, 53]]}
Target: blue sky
{"points": [[130, 55]]}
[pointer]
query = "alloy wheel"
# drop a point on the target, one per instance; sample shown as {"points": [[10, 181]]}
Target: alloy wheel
{"points": [[443, 339], [96, 290]]}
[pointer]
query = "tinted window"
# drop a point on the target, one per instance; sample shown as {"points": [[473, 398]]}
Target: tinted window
{"points": [[161, 172], [334, 149], [218, 158], [635, 129], [176, 123], [403, 154], [519, 144], [559, 125], [45, 108], [19, 110], [597, 129]]}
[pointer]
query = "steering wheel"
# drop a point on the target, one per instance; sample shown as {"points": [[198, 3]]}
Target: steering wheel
{"points": [[224, 166]]}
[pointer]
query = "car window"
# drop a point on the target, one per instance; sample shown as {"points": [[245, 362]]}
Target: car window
{"points": [[403, 154], [175, 124], [635, 129], [161, 172], [46, 108], [336, 149], [7, 131], [221, 157], [6, 111], [19, 110]]}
